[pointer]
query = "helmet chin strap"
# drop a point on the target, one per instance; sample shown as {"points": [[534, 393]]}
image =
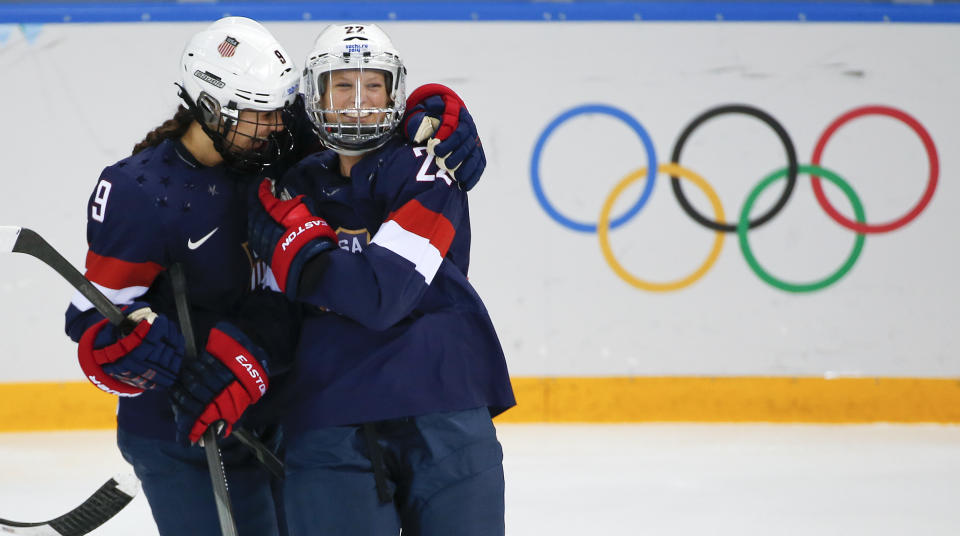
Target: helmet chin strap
{"points": [[342, 151]]}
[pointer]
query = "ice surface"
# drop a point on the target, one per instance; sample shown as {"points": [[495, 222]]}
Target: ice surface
{"points": [[663, 479]]}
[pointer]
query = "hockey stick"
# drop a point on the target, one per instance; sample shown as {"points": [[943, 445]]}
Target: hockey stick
{"points": [[218, 476], [22, 240], [115, 494], [261, 452]]}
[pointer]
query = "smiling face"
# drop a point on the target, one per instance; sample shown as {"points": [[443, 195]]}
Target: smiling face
{"points": [[355, 95], [253, 128], [251, 140], [353, 89]]}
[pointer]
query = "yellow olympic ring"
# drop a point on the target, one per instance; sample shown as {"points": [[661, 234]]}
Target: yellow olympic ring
{"points": [[603, 229]]}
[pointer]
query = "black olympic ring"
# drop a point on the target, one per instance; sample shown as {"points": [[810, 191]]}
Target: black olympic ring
{"points": [[784, 139]]}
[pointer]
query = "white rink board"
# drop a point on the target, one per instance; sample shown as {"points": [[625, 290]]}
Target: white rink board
{"points": [[79, 96]]}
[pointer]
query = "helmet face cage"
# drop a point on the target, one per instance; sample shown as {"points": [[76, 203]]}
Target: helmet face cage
{"points": [[357, 126], [248, 140]]}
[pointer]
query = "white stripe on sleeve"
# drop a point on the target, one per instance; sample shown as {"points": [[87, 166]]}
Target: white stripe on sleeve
{"points": [[410, 246], [124, 296]]}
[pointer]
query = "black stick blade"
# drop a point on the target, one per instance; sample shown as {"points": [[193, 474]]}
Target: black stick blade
{"points": [[105, 503]]}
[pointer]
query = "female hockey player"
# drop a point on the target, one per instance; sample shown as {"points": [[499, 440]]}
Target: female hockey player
{"points": [[181, 198], [399, 369]]}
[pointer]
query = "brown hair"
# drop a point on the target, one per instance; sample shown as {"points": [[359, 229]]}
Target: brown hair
{"points": [[171, 128]]}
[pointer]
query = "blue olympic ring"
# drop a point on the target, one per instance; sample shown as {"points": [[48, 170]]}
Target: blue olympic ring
{"points": [[594, 109]]}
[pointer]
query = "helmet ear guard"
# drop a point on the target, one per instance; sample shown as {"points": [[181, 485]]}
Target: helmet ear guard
{"points": [[208, 109]]}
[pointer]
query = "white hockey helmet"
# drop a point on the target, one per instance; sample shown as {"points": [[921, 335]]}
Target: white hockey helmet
{"points": [[359, 127], [236, 64]]}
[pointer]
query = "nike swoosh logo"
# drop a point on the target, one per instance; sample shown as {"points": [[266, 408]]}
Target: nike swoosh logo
{"points": [[194, 245]]}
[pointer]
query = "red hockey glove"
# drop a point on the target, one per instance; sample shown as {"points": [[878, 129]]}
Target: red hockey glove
{"points": [[437, 115], [147, 358], [219, 385], [286, 234]]}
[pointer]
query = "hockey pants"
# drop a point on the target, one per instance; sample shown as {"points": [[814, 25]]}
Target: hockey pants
{"points": [[444, 477], [176, 482]]}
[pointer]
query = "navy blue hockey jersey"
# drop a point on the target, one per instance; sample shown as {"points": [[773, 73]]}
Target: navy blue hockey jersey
{"points": [[147, 212], [396, 330]]}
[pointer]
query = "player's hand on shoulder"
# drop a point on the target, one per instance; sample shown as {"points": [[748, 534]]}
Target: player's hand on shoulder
{"points": [[286, 233], [129, 363], [229, 375], [436, 115]]}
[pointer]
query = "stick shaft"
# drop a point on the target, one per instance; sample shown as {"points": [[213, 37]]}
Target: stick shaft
{"points": [[218, 476], [31, 243]]}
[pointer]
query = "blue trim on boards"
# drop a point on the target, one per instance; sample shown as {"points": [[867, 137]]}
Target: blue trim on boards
{"points": [[526, 11]]}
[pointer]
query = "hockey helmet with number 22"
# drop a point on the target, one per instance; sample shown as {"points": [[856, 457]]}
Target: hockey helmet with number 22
{"points": [[359, 127]]}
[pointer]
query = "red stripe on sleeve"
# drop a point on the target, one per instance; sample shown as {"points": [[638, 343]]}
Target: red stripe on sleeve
{"points": [[118, 274], [420, 220]]}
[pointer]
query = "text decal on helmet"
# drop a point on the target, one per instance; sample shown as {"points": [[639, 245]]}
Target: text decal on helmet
{"points": [[209, 78], [280, 56]]}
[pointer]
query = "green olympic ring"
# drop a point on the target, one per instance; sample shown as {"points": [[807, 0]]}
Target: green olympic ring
{"points": [[744, 223]]}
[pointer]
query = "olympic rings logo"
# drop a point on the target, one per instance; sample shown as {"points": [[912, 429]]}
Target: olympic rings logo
{"points": [[744, 222]]}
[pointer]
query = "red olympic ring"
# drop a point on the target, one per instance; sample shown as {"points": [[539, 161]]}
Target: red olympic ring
{"points": [[931, 156]]}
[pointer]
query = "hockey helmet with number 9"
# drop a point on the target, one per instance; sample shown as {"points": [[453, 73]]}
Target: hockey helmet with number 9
{"points": [[359, 126], [236, 65]]}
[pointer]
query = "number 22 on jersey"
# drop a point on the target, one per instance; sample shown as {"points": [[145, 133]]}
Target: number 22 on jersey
{"points": [[422, 175]]}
